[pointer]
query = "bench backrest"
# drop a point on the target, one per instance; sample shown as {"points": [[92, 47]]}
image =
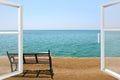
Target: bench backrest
{"points": [[32, 58], [12, 57]]}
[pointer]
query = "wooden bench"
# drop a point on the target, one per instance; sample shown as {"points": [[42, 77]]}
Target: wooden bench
{"points": [[32, 58]]}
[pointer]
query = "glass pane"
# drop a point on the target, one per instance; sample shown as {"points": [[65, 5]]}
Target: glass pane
{"points": [[112, 51], [8, 43], [8, 18], [112, 16]]}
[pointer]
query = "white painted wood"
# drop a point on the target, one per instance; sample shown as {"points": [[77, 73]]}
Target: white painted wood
{"points": [[102, 39], [20, 38], [3, 2], [2, 77], [114, 74], [98, 38], [8, 32], [111, 29], [111, 4], [103, 30]]}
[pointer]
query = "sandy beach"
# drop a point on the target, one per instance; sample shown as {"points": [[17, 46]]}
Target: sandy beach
{"points": [[113, 64], [4, 65], [64, 69]]}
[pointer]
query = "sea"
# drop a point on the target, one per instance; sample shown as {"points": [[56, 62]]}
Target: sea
{"points": [[63, 43]]}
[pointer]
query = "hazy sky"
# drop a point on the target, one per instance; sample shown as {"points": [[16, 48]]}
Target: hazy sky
{"points": [[55, 14]]}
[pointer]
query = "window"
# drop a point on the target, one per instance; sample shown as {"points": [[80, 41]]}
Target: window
{"points": [[17, 32], [110, 35]]}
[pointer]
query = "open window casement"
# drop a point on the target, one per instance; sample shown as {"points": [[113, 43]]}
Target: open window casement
{"points": [[12, 35], [110, 39]]}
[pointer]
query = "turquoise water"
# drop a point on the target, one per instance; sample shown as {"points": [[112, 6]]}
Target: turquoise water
{"points": [[112, 44], [68, 43]]}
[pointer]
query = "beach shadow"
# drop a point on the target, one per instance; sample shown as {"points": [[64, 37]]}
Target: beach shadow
{"points": [[34, 74]]}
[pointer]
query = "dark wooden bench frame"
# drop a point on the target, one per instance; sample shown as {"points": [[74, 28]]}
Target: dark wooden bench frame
{"points": [[36, 56]]}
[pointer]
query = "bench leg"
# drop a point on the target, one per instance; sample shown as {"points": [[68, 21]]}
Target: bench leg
{"points": [[52, 74], [11, 67], [16, 67], [12, 70], [24, 72], [38, 73]]}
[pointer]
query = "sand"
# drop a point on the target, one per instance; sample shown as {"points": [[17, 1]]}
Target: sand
{"points": [[64, 69], [4, 65], [113, 64]]}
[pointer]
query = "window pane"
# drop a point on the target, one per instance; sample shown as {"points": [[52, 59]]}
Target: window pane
{"points": [[112, 16], [8, 18], [8, 43], [112, 51]]}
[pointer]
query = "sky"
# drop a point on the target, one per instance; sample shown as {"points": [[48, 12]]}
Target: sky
{"points": [[54, 14]]}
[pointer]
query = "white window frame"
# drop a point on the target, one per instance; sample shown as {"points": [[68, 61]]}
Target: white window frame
{"points": [[103, 30], [20, 38]]}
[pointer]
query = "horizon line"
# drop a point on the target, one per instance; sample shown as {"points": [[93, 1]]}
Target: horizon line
{"points": [[61, 29]]}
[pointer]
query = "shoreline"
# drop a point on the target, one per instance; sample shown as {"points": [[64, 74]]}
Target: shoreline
{"points": [[73, 57], [62, 57]]}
